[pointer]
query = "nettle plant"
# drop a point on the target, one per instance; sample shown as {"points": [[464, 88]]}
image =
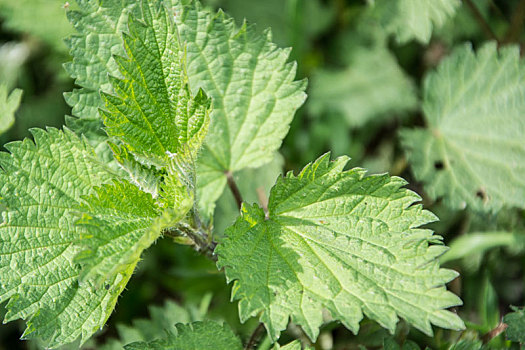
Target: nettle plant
{"points": [[172, 101]]}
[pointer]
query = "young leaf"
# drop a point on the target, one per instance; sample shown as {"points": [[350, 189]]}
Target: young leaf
{"points": [[9, 103], [42, 186], [342, 241], [413, 19], [118, 221], [201, 335], [253, 90], [471, 152], [99, 25], [516, 325], [154, 116], [152, 111]]}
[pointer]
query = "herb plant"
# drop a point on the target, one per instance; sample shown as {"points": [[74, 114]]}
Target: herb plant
{"points": [[174, 104]]}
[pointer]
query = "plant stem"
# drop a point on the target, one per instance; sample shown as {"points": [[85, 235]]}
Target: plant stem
{"points": [[494, 333], [199, 237], [233, 187], [257, 332], [516, 23], [481, 21]]}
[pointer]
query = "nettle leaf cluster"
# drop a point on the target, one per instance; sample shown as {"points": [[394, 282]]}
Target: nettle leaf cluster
{"points": [[172, 101]]}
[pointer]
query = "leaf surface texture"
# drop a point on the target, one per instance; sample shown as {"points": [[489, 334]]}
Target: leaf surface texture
{"points": [[252, 87], [42, 187], [472, 153], [342, 241]]}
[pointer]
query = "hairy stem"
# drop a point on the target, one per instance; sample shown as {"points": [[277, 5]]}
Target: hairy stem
{"points": [[233, 187], [481, 21], [199, 237], [257, 332]]}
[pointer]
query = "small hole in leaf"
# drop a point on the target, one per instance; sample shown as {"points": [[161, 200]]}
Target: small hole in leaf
{"points": [[481, 194], [439, 165]]}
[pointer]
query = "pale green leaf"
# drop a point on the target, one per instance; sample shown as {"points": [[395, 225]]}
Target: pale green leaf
{"points": [[472, 153], [295, 345], [42, 187], [479, 242], [341, 241], [252, 87], [371, 88], [152, 111], [205, 335], [13, 56], [99, 25], [413, 19], [9, 103]]}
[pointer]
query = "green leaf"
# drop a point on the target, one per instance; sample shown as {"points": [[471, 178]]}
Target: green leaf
{"points": [[413, 19], [162, 319], [480, 242], [467, 344], [295, 345], [371, 88], [516, 325], [471, 152], [253, 91], [13, 56], [9, 103], [155, 118], [205, 335], [42, 186], [119, 224], [152, 111], [341, 241], [99, 25]]}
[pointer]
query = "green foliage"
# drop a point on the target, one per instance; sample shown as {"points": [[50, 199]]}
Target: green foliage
{"points": [[195, 336], [480, 242], [253, 90], [9, 103], [412, 19], [516, 325], [372, 87], [153, 102], [175, 100], [42, 186], [162, 319], [118, 220], [342, 241], [99, 24], [471, 152]]}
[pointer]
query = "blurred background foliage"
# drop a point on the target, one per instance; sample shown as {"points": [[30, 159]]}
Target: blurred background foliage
{"points": [[364, 85]]}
